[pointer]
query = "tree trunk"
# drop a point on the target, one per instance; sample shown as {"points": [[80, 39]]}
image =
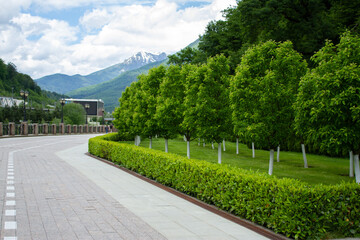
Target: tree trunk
{"points": [[304, 155], [150, 144], [219, 153], [188, 149], [224, 145], [357, 169], [237, 145], [351, 173], [199, 142], [271, 163], [204, 143], [166, 145], [253, 149], [278, 154], [185, 138], [137, 140]]}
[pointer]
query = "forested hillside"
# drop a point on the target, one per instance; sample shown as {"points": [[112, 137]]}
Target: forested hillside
{"points": [[11, 82], [307, 24], [110, 91]]}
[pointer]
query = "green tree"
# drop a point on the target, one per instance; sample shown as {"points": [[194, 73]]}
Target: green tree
{"points": [[332, 109], [150, 85], [213, 105], [186, 56], [192, 76], [124, 114], [74, 114], [170, 108], [263, 92]]}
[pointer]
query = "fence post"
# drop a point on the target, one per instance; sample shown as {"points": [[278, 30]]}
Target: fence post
{"points": [[74, 128], [45, 128], [53, 129], [36, 129], [11, 129], [24, 129], [68, 129], [62, 128]]}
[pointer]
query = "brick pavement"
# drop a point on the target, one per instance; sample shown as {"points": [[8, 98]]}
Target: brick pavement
{"points": [[43, 197]]}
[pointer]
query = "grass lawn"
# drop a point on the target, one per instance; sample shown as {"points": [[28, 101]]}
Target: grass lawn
{"points": [[322, 169]]}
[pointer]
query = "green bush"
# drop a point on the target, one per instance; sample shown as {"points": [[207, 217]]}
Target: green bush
{"points": [[286, 206]]}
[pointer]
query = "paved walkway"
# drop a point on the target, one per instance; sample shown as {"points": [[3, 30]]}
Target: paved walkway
{"points": [[50, 189]]}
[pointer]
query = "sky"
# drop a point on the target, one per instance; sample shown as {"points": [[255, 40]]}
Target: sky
{"points": [[82, 36]]}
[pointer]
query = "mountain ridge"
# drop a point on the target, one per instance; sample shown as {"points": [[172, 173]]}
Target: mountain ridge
{"points": [[62, 83]]}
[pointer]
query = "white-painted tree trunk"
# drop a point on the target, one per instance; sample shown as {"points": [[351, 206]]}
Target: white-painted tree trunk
{"points": [[304, 155], [351, 173], [150, 144], [357, 168], [185, 138], [212, 145], [139, 140], [271, 163], [224, 145], [199, 142], [204, 143], [237, 145], [253, 149], [219, 153], [188, 149], [278, 154], [166, 145]]}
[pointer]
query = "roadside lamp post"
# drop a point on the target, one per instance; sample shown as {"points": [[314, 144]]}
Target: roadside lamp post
{"points": [[62, 102], [24, 95], [87, 106]]}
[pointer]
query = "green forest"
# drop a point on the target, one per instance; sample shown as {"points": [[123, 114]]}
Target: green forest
{"points": [[38, 100], [12, 82], [276, 73]]}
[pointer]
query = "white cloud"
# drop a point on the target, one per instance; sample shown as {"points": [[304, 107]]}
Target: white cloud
{"points": [[109, 34], [10, 9]]}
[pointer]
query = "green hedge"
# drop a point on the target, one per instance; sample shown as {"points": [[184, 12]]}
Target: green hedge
{"points": [[286, 206]]}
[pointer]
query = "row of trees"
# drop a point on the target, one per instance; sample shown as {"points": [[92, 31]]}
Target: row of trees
{"points": [[272, 99]]}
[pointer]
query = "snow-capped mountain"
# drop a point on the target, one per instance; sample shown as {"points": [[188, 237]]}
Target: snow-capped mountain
{"points": [[145, 58], [62, 83]]}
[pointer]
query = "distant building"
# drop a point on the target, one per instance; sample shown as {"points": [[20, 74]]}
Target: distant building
{"points": [[10, 102], [96, 106]]}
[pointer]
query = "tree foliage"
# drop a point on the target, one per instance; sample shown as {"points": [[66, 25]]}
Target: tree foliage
{"points": [[328, 99], [307, 24], [263, 92], [213, 107], [169, 108], [74, 114]]}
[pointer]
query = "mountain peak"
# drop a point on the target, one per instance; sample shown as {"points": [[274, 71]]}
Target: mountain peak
{"points": [[145, 58]]}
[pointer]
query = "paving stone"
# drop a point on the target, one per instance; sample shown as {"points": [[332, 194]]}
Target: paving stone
{"points": [[72, 197]]}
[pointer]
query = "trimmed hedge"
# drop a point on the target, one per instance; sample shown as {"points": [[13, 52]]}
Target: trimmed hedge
{"points": [[286, 206]]}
